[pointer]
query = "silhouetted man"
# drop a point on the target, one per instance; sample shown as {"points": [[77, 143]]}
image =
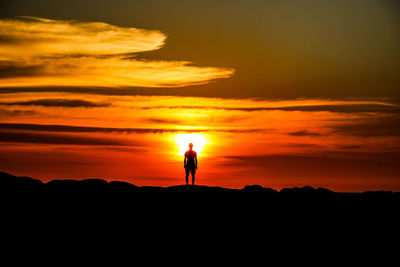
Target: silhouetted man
{"points": [[190, 163]]}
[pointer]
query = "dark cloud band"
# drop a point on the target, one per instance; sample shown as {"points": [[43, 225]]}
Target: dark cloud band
{"points": [[57, 139], [70, 103], [83, 129], [345, 108]]}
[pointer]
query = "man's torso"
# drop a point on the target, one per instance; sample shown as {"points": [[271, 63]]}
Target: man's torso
{"points": [[190, 158]]}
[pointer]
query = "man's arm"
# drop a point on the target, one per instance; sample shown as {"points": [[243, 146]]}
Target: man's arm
{"points": [[184, 162], [195, 157]]}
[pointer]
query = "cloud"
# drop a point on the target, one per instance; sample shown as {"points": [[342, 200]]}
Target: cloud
{"points": [[354, 165], [44, 52], [382, 126], [304, 133], [83, 129], [342, 108], [16, 112], [162, 120], [70, 103], [56, 138], [301, 159], [10, 69], [351, 146], [61, 37], [347, 108], [303, 145]]}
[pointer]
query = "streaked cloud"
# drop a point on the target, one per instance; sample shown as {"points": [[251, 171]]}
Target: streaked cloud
{"points": [[71, 103], [15, 112], [83, 129], [58, 139], [44, 52], [379, 126], [304, 133], [162, 120], [348, 107]]}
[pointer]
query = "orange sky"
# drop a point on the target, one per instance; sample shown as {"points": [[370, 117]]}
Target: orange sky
{"points": [[68, 110], [342, 145]]}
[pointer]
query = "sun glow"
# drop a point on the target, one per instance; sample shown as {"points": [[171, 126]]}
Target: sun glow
{"points": [[183, 140]]}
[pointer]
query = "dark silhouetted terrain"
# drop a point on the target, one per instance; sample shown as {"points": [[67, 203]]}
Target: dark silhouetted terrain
{"points": [[69, 211], [98, 191]]}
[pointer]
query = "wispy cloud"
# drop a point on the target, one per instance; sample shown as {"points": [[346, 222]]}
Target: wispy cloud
{"points": [[70, 103], [304, 133], [87, 129], [44, 52], [58, 139], [379, 126], [348, 107], [162, 120], [16, 112]]}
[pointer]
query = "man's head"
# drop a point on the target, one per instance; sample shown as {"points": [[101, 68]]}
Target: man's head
{"points": [[190, 145]]}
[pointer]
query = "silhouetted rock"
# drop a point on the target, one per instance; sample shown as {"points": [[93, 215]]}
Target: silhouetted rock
{"points": [[298, 190], [20, 189], [378, 195], [322, 190], [122, 187], [86, 184], [198, 188], [252, 198], [259, 189], [8, 180], [62, 183], [152, 189], [94, 186]]}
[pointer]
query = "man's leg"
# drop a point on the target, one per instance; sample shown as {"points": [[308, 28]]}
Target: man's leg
{"points": [[187, 175], [193, 173]]}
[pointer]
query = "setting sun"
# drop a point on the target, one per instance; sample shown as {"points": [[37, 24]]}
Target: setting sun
{"points": [[309, 96], [183, 140]]}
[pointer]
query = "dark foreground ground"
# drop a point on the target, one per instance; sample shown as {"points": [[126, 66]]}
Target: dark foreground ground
{"points": [[197, 221], [100, 194]]}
